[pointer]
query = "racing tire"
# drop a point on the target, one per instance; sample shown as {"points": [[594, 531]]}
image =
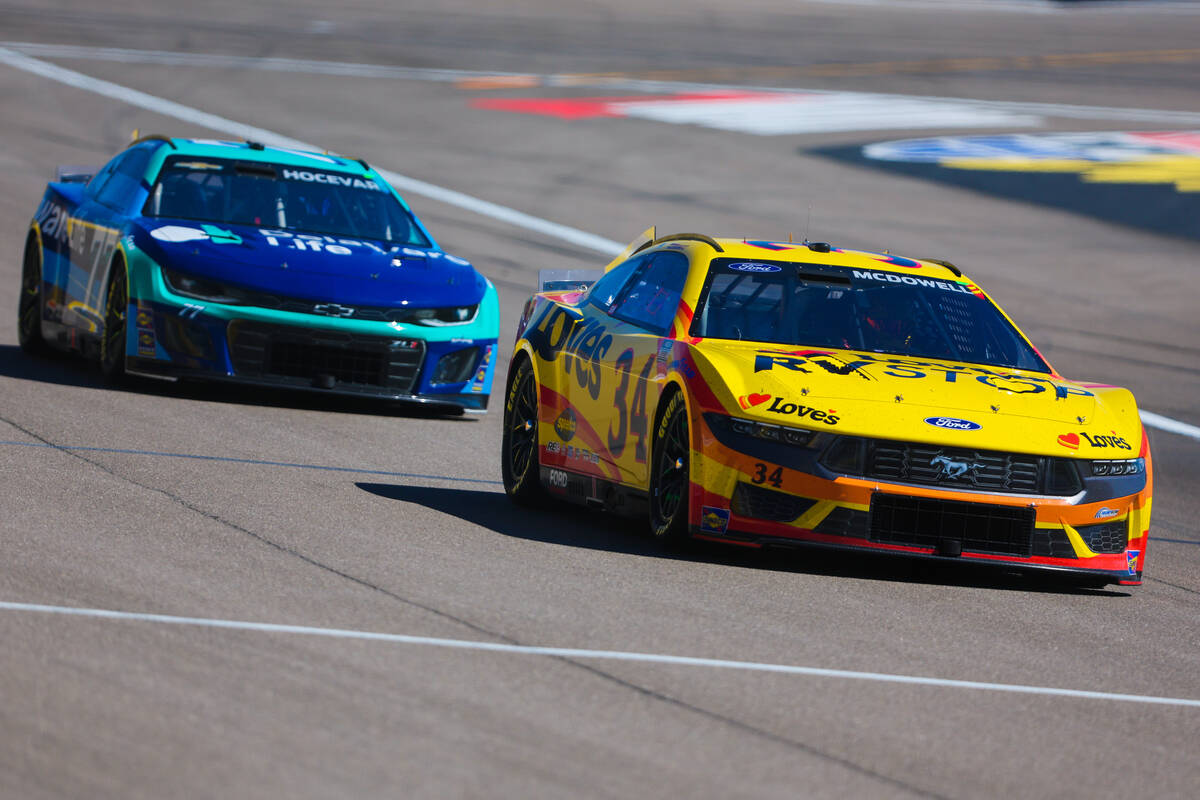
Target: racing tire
{"points": [[29, 309], [670, 476], [519, 461], [116, 311]]}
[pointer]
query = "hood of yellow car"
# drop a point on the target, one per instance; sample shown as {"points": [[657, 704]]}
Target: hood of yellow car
{"points": [[922, 400]]}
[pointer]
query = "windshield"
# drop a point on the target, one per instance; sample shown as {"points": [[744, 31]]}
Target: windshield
{"points": [[839, 307], [273, 195]]}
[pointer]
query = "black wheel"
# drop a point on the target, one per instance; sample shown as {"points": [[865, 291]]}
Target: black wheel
{"points": [[670, 476], [112, 338], [519, 448], [29, 310]]}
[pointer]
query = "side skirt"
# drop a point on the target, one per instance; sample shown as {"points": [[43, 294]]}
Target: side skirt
{"points": [[594, 492]]}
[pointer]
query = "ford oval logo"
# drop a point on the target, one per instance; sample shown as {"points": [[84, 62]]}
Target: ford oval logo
{"points": [[750, 266], [953, 423]]}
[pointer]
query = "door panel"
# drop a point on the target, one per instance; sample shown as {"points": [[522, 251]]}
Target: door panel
{"points": [[630, 392], [601, 385], [92, 239], [637, 319], [94, 231]]}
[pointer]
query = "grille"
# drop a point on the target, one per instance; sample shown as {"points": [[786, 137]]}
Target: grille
{"points": [[760, 503], [307, 360], [299, 354], [1109, 537], [926, 522], [1012, 473], [1052, 543], [844, 521]]}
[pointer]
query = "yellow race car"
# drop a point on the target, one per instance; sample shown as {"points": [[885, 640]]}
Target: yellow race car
{"points": [[766, 393]]}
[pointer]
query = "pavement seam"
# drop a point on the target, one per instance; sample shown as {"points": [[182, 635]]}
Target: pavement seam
{"points": [[1173, 585], [643, 690], [257, 536]]}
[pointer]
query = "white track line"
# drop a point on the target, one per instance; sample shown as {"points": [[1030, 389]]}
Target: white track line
{"points": [[348, 69], [520, 219], [1025, 6], [360, 70], [610, 655], [1170, 425], [404, 183]]}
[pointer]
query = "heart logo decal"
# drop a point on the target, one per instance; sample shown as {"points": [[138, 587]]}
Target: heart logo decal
{"points": [[1070, 440], [751, 400]]}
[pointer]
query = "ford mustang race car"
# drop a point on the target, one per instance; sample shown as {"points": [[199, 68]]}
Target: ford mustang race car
{"points": [[234, 261], [766, 393]]}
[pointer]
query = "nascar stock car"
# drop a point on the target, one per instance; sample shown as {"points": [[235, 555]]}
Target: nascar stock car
{"points": [[186, 258], [773, 393]]}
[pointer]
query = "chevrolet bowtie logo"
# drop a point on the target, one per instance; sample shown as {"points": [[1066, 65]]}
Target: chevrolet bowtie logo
{"points": [[333, 310]]}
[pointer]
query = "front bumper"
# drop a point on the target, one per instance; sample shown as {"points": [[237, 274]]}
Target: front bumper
{"points": [[445, 369], [749, 499]]}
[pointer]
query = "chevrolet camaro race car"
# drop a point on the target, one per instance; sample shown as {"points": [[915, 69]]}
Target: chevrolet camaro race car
{"points": [[234, 261], [766, 393]]}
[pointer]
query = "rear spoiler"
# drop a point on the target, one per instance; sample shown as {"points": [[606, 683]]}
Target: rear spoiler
{"points": [[567, 280], [70, 173], [643, 240]]}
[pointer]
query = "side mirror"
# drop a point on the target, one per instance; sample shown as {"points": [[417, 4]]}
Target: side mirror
{"points": [[567, 280]]}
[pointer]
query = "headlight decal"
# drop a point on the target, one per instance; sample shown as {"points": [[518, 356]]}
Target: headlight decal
{"points": [[1128, 466], [202, 288]]}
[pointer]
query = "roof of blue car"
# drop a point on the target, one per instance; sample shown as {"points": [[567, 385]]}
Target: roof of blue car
{"points": [[251, 151]]}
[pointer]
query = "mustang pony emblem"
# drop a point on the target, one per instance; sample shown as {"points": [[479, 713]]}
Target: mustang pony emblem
{"points": [[949, 468]]}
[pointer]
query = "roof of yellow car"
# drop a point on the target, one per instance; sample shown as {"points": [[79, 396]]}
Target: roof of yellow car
{"points": [[804, 252], [823, 253]]}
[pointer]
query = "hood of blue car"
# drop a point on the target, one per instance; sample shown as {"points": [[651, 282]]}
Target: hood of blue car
{"points": [[332, 269]]}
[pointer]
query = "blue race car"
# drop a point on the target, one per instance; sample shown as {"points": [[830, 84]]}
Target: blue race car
{"points": [[234, 261]]}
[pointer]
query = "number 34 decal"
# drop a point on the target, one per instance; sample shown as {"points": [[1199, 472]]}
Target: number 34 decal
{"points": [[630, 418], [775, 477]]}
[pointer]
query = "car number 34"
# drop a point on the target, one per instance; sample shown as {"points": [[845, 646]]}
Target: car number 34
{"points": [[762, 475], [631, 414]]}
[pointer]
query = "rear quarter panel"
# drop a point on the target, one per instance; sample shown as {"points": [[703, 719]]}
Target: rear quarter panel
{"points": [[51, 228]]}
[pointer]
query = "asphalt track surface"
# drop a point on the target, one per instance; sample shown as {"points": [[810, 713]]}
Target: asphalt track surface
{"points": [[316, 599]]}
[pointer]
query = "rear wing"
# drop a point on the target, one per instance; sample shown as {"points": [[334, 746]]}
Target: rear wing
{"points": [[643, 240], [567, 280], [71, 173]]}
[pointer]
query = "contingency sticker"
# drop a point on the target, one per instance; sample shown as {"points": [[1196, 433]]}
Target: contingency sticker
{"points": [[714, 520], [144, 323], [481, 374]]}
